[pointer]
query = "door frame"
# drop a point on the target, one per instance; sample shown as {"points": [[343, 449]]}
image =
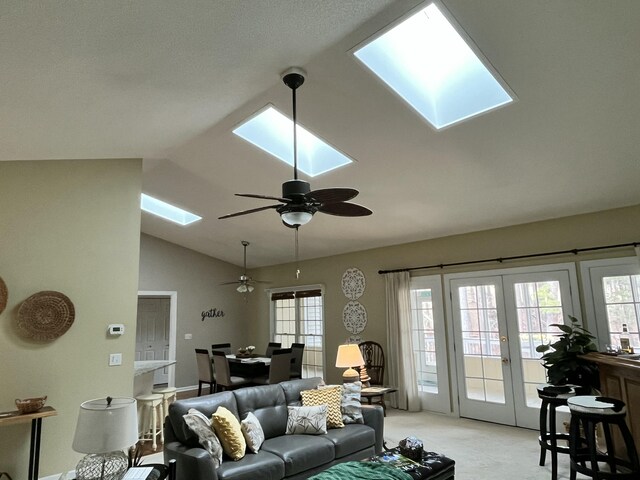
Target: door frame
{"points": [[173, 324], [570, 267]]}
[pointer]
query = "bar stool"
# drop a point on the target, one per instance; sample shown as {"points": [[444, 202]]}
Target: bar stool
{"points": [[168, 397], [149, 411], [588, 411], [552, 396]]}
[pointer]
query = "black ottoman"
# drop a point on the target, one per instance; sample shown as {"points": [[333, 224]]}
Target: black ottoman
{"points": [[433, 466]]}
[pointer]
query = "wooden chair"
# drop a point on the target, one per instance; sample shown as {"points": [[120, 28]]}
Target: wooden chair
{"points": [[222, 347], [223, 375], [280, 368], [296, 365], [373, 356], [205, 370], [271, 347]]}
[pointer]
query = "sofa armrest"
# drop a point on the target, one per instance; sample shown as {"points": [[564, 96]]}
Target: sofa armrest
{"points": [[190, 462], [374, 417]]}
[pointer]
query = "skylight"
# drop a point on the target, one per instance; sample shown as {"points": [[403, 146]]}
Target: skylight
{"points": [[431, 66], [167, 211], [272, 131]]}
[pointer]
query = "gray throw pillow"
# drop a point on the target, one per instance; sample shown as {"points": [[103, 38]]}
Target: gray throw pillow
{"points": [[201, 426], [252, 431], [310, 420]]}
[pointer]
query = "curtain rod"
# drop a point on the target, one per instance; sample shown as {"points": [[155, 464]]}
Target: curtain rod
{"points": [[574, 251]]}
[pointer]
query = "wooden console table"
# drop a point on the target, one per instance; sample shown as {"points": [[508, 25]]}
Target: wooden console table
{"points": [[10, 418]]}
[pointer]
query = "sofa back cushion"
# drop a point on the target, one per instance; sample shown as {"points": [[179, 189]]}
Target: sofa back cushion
{"points": [[206, 404], [292, 389], [267, 402]]}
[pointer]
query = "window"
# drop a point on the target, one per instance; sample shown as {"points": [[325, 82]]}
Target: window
{"points": [[297, 316]]}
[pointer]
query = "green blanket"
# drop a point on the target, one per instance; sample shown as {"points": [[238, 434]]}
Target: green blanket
{"points": [[361, 470]]}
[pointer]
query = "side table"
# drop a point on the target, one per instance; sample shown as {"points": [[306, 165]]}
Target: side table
{"points": [[369, 393], [11, 418]]}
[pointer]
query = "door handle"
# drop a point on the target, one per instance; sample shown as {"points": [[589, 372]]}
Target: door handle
{"points": [[503, 339], [505, 360]]}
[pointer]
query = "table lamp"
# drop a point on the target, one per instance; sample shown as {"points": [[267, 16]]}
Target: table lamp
{"points": [[349, 356], [105, 427]]}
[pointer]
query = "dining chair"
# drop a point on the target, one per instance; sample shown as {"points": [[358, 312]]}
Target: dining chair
{"points": [[280, 368], [222, 347], [224, 378], [271, 347], [205, 370], [296, 365], [373, 356]]}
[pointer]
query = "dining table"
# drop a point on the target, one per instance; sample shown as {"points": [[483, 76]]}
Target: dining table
{"points": [[250, 366]]}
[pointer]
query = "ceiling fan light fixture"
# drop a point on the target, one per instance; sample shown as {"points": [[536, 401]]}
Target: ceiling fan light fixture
{"points": [[294, 219], [250, 288], [242, 288]]}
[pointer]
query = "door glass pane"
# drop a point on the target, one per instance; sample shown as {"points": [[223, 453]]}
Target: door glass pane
{"points": [[481, 343], [311, 334], [538, 305], [424, 340], [622, 301]]}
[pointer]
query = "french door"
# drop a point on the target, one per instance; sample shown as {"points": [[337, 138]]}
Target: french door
{"points": [[499, 319]]}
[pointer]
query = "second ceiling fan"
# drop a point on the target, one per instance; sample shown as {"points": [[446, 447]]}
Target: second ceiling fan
{"points": [[298, 202]]}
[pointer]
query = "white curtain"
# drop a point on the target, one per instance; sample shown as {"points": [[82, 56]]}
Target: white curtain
{"points": [[400, 361]]}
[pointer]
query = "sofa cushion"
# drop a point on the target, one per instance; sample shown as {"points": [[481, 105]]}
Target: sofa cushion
{"points": [[252, 431], [351, 439], [311, 420], [269, 466], [292, 388], [201, 426], [300, 452], [227, 428], [330, 396], [206, 404], [267, 402]]}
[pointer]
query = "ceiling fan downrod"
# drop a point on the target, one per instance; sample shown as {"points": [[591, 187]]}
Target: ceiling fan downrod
{"points": [[294, 78]]}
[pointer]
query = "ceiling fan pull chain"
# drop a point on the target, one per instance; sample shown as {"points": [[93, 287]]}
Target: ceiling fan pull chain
{"points": [[297, 256]]}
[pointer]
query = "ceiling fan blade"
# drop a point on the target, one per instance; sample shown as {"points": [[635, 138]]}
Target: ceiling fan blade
{"points": [[344, 209], [333, 195], [264, 197], [229, 283], [258, 281], [245, 212]]}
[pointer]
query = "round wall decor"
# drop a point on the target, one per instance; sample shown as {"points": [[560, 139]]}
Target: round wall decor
{"points": [[353, 283], [354, 317], [45, 315], [4, 295]]}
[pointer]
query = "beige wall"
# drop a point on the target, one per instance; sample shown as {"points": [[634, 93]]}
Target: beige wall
{"points": [[196, 278], [73, 227], [581, 231]]}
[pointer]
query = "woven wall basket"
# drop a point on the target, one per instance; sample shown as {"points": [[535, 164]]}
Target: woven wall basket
{"points": [[45, 315], [4, 295]]}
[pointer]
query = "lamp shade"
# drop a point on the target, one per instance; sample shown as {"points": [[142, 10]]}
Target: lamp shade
{"points": [[105, 425], [296, 218], [349, 356]]}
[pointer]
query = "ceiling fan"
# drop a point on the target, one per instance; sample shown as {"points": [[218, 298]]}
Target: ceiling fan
{"points": [[298, 202], [245, 283]]}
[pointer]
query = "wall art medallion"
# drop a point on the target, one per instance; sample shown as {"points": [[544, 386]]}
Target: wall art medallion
{"points": [[354, 339], [354, 317], [353, 283], [4, 295], [46, 315]]}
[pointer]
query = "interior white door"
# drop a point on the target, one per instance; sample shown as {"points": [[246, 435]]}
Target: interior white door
{"points": [[482, 350], [152, 333]]}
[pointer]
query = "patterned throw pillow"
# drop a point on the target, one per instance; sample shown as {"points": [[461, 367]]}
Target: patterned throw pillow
{"points": [[307, 420], [332, 398], [350, 404], [201, 426], [227, 427], [252, 431]]}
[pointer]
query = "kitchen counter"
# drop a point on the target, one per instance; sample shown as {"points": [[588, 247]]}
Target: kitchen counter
{"points": [[143, 374]]}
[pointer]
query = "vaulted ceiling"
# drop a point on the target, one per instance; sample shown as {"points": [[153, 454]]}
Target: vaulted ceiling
{"points": [[167, 81]]}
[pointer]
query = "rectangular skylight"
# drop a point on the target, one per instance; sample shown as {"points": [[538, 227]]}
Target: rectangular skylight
{"points": [[272, 131], [430, 65], [167, 211]]}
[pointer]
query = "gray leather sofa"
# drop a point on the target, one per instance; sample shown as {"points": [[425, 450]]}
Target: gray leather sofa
{"points": [[281, 456]]}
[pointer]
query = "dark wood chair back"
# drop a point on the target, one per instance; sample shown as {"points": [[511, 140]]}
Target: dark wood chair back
{"points": [[373, 356], [296, 365], [271, 347], [280, 368], [222, 347]]}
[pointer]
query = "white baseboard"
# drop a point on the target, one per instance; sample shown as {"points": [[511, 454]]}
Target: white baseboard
{"points": [[70, 474]]}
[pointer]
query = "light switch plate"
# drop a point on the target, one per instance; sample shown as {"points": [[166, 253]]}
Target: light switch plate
{"points": [[115, 359], [188, 336]]}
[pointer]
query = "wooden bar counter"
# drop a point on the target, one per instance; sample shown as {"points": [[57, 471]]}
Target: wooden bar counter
{"points": [[620, 378]]}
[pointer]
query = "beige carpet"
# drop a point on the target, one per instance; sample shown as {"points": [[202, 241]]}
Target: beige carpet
{"points": [[481, 450]]}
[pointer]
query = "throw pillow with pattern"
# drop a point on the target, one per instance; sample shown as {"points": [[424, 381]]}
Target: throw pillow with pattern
{"points": [[307, 420], [332, 398], [252, 431], [227, 428], [201, 426], [350, 403]]}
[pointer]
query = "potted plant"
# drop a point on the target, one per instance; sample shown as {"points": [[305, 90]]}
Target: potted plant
{"points": [[562, 357]]}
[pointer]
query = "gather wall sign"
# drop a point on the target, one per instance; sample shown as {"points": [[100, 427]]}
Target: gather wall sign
{"points": [[212, 313]]}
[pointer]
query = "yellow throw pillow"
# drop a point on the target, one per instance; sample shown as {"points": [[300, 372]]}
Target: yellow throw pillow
{"points": [[227, 428], [331, 397]]}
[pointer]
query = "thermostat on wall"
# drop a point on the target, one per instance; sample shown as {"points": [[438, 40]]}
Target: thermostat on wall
{"points": [[116, 329]]}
